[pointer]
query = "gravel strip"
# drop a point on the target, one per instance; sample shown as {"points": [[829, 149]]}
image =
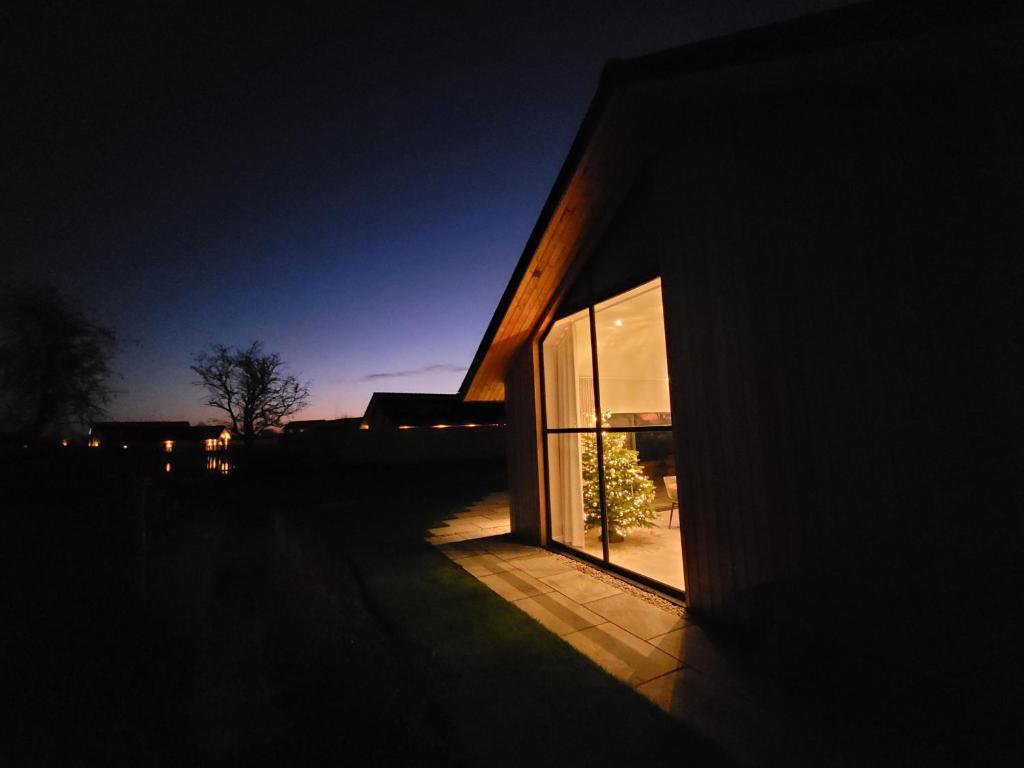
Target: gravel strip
{"points": [[610, 578]]}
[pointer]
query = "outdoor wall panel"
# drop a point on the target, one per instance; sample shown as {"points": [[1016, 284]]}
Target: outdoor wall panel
{"points": [[525, 457], [837, 302]]}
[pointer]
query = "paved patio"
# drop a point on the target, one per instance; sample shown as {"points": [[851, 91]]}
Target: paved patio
{"points": [[641, 639]]}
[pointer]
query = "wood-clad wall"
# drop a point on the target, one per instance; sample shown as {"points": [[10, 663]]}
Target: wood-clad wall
{"points": [[525, 453], [841, 270]]}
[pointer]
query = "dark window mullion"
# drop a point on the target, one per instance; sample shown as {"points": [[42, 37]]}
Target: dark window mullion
{"points": [[598, 438], [544, 437]]}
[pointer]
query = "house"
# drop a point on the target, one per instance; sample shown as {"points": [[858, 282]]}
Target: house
{"points": [[212, 436], [162, 436], [762, 348], [318, 434], [403, 428], [310, 427], [407, 410]]}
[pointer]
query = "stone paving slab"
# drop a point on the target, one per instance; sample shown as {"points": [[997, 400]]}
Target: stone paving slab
{"points": [[484, 564], [633, 614], [558, 613], [495, 516], [486, 522], [459, 549], [454, 526], [478, 520], [543, 565], [743, 730], [622, 654], [692, 646], [454, 537], [514, 585], [510, 550], [580, 587]]}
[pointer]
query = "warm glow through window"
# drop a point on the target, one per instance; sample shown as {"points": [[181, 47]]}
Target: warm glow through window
{"points": [[618, 474]]}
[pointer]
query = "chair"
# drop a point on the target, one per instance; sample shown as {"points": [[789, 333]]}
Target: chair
{"points": [[670, 489]]}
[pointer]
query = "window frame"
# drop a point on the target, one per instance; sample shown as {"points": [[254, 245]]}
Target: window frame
{"points": [[597, 430]]}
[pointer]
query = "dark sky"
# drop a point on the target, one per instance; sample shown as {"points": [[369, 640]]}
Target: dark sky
{"points": [[352, 188]]}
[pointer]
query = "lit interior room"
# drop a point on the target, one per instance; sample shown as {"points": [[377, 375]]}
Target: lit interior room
{"points": [[622, 472]]}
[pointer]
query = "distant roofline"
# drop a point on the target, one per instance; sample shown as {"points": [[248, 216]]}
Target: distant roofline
{"points": [[147, 423], [414, 394]]}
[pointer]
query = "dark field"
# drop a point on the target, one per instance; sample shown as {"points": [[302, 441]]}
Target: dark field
{"points": [[285, 614]]}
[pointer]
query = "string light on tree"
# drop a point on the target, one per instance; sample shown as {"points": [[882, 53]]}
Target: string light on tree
{"points": [[629, 493]]}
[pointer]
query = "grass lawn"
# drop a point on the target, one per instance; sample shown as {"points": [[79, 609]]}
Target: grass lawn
{"points": [[300, 618]]}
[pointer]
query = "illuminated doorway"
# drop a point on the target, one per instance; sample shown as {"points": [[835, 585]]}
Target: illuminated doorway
{"points": [[611, 474]]}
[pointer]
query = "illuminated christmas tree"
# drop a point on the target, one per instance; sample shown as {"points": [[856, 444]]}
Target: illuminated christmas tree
{"points": [[629, 493]]}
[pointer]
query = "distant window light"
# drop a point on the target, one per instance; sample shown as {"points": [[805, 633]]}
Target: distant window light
{"points": [[446, 426], [219, 443]]}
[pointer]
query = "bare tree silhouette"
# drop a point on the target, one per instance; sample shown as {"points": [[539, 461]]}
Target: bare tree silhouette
{"points": [[250, 386]]}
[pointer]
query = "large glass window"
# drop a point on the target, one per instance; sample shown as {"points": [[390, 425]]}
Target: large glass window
{"points": [[632, 358], [569, 369], [611, 468]]}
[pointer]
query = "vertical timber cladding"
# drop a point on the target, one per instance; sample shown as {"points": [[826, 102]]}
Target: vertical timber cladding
{"points": [[829, 264], [780, 406], [525, 455], [721, 474]]}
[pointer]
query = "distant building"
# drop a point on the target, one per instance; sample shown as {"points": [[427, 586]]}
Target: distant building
{"points": [[165, 436], [319, 426], [401, 410]]}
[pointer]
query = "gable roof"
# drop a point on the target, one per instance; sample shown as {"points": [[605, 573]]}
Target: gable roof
{"points": [[616, 138], [298, 426], [407, 409]]}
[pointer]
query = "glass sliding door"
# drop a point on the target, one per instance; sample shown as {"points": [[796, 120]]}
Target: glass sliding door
{"points": [[610, 463], [569, 408], [638, 456], [640, 495]]}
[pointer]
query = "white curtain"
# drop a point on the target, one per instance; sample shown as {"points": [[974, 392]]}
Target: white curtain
{"points": [[565, 480]]}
